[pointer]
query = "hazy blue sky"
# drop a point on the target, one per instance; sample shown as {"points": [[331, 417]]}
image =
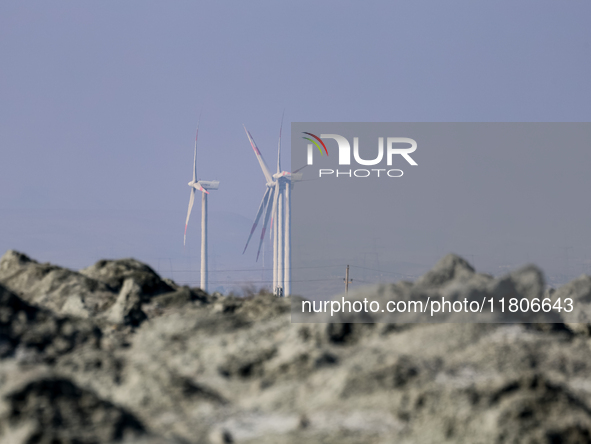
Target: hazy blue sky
{"points": [[99, 103]]}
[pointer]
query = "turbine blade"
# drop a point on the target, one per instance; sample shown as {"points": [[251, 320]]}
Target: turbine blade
{"points": [[191, 200], [258, 216], [267, 214], [195, 159], [262, 163], [299, 169], [195, 155], [279, 148], [200, 188]]}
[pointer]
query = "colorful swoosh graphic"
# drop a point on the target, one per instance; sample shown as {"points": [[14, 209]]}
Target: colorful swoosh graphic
{"points": [[314, 142]]}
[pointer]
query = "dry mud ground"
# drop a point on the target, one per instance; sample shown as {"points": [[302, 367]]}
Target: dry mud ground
{"points": [[113, 353]]}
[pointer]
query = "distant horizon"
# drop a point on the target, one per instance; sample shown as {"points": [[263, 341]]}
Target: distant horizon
{"points": [[183, 268]]}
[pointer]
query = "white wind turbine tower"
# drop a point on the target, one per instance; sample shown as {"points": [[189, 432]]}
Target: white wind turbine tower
{"points": [[276, 204], [203, 186]]}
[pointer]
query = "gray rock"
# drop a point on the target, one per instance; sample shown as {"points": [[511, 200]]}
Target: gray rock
{"points": [[115, 272], [38, 334], [58, 289], [54, 410], [449, 268], [212, 369], [579, 290], [122, 291], [128, 306]]}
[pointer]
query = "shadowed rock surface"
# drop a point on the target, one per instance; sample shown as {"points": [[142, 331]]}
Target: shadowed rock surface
{"points": [[115, 272], [157, 363], [53, 409], [35, 334]]}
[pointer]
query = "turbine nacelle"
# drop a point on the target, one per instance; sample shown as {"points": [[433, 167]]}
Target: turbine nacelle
{"points": [[281, 174], [209, 184], [288, 176], [204, 185]]}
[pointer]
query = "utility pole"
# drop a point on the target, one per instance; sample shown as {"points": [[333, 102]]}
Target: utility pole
{"points": [[567, 270], [347, 281]]}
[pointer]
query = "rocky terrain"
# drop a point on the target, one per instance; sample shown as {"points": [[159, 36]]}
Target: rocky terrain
{"points": [[115, 354]]}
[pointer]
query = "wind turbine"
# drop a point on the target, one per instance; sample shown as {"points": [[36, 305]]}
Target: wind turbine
{"points": [[203, 186], [276, 204]]}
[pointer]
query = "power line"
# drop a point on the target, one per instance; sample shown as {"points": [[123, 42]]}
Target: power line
{"points": [[258, 282], [379, 271], [249, 269]]}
